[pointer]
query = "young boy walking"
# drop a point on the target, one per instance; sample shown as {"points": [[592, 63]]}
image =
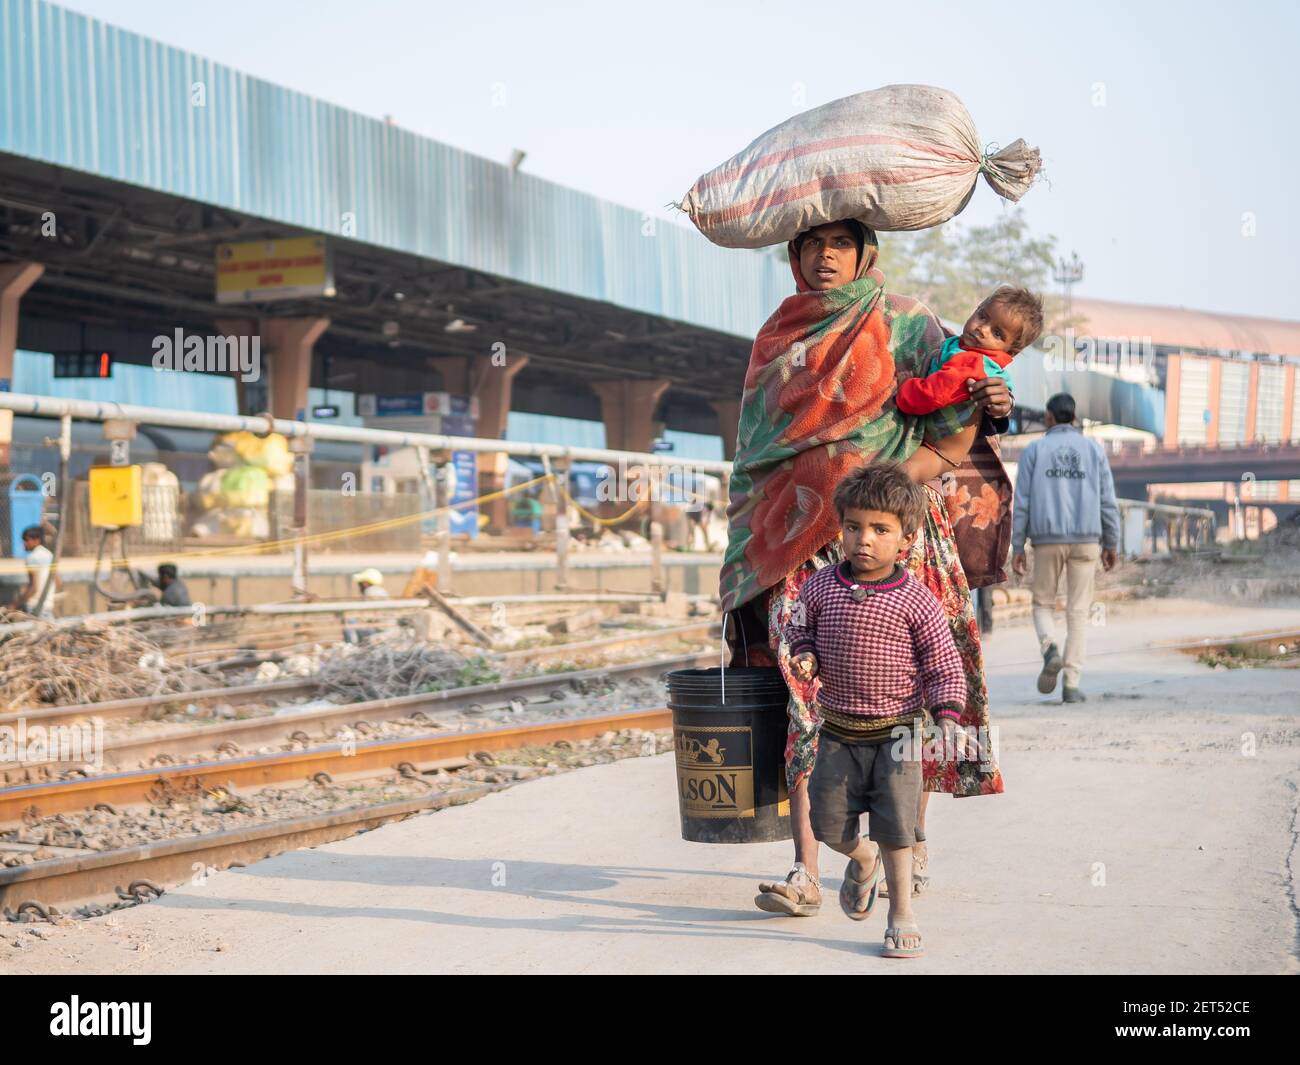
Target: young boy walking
{"points": [[880, 643]]}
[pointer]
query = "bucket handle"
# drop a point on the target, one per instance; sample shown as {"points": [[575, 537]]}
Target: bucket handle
{"points": [[722, 657]]}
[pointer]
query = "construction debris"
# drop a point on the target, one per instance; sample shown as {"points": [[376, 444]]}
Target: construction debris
{"points": [[461, 621], [673, 605], [578, 622]]}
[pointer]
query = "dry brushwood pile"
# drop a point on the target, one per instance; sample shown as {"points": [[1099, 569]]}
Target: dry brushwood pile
{"points": [[56, 666], [389, 666]]}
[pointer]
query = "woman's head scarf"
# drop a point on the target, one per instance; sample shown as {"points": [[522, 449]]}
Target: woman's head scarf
{"points": [[819, 402]]}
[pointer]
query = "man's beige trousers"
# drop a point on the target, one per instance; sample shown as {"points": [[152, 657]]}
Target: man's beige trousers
{"points": [[1079, 562]]}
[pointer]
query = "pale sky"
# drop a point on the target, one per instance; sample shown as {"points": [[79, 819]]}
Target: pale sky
{"points": [[1167, 129]]}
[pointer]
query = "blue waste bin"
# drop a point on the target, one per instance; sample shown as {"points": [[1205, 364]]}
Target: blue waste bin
{"points": [[26, 501]]}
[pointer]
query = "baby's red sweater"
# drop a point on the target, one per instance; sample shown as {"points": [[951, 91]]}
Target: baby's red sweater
{"points": [[946, 387]]}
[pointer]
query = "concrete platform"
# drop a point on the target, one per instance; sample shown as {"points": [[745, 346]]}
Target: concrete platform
{"points": [[1135, 836], [238, 580]]}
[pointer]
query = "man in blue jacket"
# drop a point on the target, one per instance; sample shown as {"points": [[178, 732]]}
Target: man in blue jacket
{"points": [[1065, 505]]}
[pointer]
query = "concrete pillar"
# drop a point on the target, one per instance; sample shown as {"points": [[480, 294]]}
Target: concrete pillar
{"points": [[289, 343], [495, 388], [455, 373], [728, 411], [239, 327], [1173, 372], [628, 409], [286, 346], [15, 280]]}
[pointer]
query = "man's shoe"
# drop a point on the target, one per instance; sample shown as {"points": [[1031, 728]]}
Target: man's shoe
{"points": [[1052, 665], [1072, 695]]}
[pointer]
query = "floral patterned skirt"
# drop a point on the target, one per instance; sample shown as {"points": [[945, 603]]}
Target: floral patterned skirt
{"points": [[933, 560]]}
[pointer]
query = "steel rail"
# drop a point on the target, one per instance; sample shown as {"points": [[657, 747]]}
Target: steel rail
{"points": [[105, 874], [186, 741], [144, 785]]}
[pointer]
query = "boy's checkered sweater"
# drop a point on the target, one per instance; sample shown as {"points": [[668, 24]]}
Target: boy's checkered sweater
{"points": [[880, 660]]}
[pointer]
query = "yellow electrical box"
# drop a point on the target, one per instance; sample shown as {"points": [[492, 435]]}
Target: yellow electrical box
{"points": [[116, 496]]}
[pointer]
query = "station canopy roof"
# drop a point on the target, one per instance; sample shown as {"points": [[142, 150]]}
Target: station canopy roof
{"points": [[101, 128]]}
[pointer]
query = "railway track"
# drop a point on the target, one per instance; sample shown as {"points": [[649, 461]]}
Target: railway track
{"points": [[141, 872], [425, 708]]}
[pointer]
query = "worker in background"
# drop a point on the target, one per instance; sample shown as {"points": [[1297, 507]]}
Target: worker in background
{"points": [[697, 510], [40, 560], [1065, 506], [527, 510], [172, 591], [370, 584]]}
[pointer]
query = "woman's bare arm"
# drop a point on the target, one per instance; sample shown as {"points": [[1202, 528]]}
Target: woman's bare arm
{"points": [[926, 465]]}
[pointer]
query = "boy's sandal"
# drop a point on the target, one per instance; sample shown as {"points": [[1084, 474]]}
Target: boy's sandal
{"points": [[858, 897], [799, 895], [920, 872], [893, 938]]}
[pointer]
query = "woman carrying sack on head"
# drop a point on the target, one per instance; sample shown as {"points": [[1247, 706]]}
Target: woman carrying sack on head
{"points": [[818, 402]]}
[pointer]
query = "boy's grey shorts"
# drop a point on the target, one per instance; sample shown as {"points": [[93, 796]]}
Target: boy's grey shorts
{"points": [[851, 779]]}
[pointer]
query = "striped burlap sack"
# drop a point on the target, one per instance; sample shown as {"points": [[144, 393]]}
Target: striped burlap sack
{"points": [[901, 157]]}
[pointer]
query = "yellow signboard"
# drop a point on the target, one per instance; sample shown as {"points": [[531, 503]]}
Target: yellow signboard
{"points": [[116, 497], [256, 270]]}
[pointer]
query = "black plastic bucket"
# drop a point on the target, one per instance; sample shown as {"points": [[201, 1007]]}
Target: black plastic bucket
{"points": [[730, 754]]}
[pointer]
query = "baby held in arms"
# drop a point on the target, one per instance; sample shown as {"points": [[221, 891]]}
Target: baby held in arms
{"points": [[1006, 323]]}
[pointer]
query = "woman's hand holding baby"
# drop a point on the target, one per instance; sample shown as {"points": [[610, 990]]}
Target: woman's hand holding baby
{"points": [[992, 396]]}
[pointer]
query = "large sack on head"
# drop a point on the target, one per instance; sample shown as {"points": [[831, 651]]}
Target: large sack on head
{"points": [[901, 157]]}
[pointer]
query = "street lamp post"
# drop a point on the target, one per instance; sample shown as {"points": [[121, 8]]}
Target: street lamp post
{"points": [[1068, 274]]}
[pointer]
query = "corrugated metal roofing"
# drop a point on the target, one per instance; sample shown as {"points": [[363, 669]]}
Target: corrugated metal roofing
{"points": [[79, 93], [1180, 327]]}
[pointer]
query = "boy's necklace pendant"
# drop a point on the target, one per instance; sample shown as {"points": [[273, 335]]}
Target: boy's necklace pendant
{"points": [[859, 593]]}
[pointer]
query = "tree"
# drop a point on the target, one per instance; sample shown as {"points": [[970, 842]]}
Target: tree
{"points": [[951, 268]]}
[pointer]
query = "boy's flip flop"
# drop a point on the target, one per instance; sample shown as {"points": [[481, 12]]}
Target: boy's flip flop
{"points": [[854, 893], [894, 935]]}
